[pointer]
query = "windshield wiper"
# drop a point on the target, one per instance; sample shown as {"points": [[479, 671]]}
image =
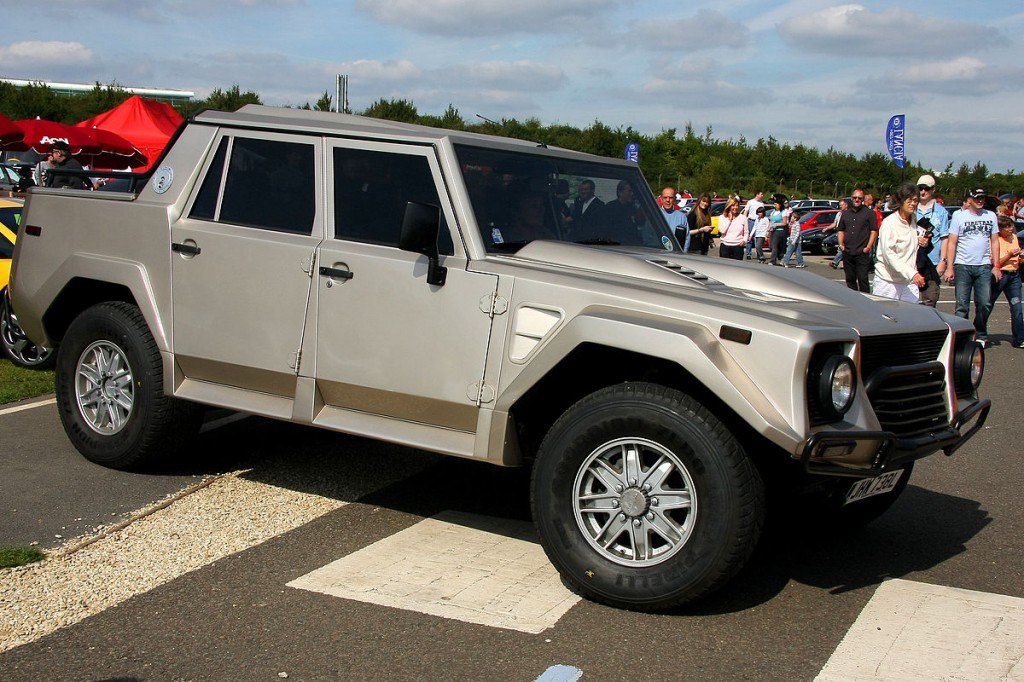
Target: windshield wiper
{"points": [[599, 242]]}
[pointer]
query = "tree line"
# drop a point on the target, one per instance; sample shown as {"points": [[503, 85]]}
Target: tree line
{"points": [[693, 161]]}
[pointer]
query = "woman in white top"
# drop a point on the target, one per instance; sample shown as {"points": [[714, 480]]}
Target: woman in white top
{"points": [[896, 274]]}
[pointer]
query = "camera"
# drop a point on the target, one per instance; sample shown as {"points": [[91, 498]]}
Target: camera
{"points": [[925, 224]]}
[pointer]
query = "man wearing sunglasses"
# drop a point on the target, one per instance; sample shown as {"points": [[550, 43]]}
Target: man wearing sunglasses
{"points": [[929, 208], [858, 230], [973, 248]]}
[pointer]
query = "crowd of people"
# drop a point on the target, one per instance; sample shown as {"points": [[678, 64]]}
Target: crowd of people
{"points": [[910, 240]]}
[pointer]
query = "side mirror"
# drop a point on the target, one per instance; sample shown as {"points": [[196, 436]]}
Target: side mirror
{"points": [[420, 226]]}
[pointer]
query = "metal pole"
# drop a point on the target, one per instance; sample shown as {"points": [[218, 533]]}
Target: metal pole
{"points": [[337, 93], [344, 81]]}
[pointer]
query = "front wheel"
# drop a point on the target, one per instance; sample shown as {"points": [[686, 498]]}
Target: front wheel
{"points": [[16, 346], [109, 384], [643, 499]]}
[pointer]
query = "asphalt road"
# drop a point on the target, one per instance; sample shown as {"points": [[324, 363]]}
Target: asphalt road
{"points": [[959, 524]]}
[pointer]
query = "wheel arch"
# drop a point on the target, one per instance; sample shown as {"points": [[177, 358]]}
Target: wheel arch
{"points": [[77, 295], [688, 358]]}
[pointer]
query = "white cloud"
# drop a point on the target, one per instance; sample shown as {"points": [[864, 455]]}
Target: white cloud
{"points": [[854, 31], [466, 18], [503, 75], [374, 70], [44, 53], [962, 70], [705, 30]]}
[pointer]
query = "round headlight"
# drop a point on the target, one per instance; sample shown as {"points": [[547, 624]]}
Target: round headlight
{"points": [[969, 367], [977, 365], [837, 384]]}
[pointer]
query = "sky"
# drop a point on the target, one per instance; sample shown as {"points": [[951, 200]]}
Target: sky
{"points": [[815, 72]]}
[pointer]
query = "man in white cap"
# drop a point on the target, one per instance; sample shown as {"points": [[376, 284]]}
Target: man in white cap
{"points": [[929, 208], [973, 248]]}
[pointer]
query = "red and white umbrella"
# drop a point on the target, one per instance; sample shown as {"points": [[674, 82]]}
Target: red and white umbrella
{"points": [[10, 134], [40, 135], [115, 152]]}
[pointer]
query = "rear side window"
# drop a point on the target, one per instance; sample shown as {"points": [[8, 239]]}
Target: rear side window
{"points": [[371, 190], [6, 247], [270, 184]]}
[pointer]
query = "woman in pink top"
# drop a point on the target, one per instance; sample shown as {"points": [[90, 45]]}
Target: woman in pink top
{"points": [[732, 232]]}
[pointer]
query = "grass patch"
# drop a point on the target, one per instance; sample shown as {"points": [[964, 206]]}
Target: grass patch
{"points": [[17, 383], [19, 556]]}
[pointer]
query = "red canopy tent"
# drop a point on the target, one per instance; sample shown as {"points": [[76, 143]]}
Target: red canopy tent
{"points": [[145, 123]]}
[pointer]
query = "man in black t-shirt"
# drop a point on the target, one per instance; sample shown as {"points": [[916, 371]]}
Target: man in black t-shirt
{"points": [[61, 159], [858, 230]]}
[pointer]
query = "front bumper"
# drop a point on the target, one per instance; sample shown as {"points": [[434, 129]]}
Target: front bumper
{"points": [[824, 451]]}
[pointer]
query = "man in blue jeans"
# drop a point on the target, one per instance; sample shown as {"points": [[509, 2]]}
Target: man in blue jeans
{"points": [[973, 248]]}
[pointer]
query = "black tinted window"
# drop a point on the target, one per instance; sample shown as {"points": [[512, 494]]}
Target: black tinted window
{"points": [[270, 184], [205, 205], [371, 190], [6, 248]]}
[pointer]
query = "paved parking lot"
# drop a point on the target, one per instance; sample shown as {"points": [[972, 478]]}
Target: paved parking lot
{"points": [[320, 556]]}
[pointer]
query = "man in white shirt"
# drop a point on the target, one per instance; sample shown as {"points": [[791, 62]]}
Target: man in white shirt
{"points": [[973, 249]]}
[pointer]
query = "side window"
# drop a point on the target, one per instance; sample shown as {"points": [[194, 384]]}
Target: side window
{"points": [[270, 184], [205, 205], [371, 190], [6, 248]]}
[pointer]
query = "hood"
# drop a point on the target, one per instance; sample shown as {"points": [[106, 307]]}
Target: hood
{"points": [[801, 296]]}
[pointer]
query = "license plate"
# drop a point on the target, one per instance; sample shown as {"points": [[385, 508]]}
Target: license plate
{"points": [[873, 486]]}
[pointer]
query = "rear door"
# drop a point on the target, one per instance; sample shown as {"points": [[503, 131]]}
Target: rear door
{"points": [[241, 261]]}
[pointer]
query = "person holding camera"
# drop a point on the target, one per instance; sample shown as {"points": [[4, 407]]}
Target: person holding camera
{"points": [[896, 274], [925, 267]]}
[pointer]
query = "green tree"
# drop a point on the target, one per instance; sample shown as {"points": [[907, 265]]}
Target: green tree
{"points": [[401, 110], [324, 103], [231, 99]]}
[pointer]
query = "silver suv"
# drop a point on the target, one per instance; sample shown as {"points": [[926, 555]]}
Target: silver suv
{"points": [[437, 289]]}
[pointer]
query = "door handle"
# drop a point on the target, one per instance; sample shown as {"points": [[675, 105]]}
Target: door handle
{"points": [[189, 249], [335, 272]]}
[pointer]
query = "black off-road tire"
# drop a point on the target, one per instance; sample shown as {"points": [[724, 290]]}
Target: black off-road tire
{"points": [[155, 426], [661, 425]]}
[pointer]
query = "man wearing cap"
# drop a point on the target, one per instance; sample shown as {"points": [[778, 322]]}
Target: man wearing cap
{"points": [[973, 248], [931, 209], [60, 159]]}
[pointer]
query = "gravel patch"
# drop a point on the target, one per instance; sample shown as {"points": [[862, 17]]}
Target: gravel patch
{"points": [[209, 521]]}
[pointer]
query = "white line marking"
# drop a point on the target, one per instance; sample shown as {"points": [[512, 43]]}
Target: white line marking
{"points": [[912, 631], [476, 569], [19, 408]]}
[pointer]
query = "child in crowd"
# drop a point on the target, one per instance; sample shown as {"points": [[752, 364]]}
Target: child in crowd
{"points": [[794, 243], [761, 224]]}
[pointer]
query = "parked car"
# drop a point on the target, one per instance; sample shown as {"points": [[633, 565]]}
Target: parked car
{"points": [[16, 346], [830, 244], [812, 204], [812, 226]]}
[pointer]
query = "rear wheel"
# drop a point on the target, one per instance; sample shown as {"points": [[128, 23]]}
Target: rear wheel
{"points": [[643, 499], [16, 346], [110, 391]]}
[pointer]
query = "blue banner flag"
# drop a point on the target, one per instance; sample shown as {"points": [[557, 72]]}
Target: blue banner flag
{"points": [[895, 138], [633, 152]]}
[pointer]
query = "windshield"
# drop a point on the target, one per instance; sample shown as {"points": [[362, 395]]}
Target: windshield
{"points": [[520, 197]]}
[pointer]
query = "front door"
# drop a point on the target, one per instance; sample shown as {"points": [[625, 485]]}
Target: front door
{"points": [[388, 343]]}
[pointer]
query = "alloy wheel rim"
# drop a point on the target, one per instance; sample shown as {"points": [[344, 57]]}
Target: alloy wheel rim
{"points": [[104, 387], [14, 339], [635, 502]]}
